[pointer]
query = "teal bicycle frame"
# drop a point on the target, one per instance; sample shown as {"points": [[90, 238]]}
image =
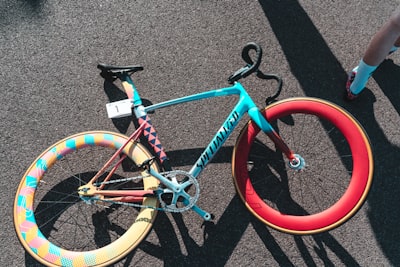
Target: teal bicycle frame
{"points": [[244, 105]]}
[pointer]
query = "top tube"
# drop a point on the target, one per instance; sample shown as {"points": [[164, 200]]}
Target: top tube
{"points": [[236, 89], [244, 104]]}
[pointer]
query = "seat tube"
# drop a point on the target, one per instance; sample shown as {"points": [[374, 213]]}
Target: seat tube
{"points": [[130, 89], [151, 135], [149, 132]]}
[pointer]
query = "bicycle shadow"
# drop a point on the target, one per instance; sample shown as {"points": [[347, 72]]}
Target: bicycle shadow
{"points": [[320, 74], [225, 235], [222, 237], [218, 244]]}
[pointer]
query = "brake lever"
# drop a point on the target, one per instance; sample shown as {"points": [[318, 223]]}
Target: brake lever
{"points": [[238, 74], [251, 66]]}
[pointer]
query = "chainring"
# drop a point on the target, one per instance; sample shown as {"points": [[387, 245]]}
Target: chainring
{"points": [[183, 200]]}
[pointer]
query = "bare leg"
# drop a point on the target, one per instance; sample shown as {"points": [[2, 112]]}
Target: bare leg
{"points": [[379, 47], [383, 41]]}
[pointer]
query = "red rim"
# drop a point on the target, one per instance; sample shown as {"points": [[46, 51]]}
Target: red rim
{"points": [[347, 205]]}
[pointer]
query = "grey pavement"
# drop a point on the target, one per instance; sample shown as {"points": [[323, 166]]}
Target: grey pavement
{"points": [[50, 88]]}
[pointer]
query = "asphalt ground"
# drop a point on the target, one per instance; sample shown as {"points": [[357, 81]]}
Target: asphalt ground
{"points": [[50, 88]]}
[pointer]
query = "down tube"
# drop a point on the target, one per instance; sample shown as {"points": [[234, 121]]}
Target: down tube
{"points": [[219, 139]]}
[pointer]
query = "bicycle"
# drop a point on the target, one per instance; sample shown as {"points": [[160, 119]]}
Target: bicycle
{"points": [[97, 215]]}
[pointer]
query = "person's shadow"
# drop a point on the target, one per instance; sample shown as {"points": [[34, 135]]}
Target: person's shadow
{"points": [[388, 78], [384, 198], [320, 74]]}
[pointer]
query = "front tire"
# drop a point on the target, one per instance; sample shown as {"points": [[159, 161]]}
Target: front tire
{"points": [[330, 188]]}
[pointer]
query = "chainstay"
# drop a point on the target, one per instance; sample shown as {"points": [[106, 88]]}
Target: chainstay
{"points": [[136, 205], [136, 178], [130, 204]]}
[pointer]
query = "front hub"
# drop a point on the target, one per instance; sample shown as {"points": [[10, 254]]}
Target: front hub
{"points": [[298, 163]]}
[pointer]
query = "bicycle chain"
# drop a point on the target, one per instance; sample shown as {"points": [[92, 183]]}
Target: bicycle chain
{"points": [[137, 178]]}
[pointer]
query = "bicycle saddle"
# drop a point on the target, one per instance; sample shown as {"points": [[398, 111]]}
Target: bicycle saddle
{"points": [[119, 69]]}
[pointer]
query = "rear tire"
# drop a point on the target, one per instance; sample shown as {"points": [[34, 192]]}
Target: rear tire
{"points": [[57, 227]]}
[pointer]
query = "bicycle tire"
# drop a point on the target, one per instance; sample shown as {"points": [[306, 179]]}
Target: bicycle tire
{"points": [[47, 204], [273, 192]]}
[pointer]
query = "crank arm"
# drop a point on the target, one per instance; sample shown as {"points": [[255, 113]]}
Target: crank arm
{"points": [[203, 214]]}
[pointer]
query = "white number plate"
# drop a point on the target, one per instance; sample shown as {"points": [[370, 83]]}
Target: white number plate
{"points": [[119, 109]]}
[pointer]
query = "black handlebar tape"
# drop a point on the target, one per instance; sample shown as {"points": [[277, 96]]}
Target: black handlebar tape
{"points": [[246, 57]]}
